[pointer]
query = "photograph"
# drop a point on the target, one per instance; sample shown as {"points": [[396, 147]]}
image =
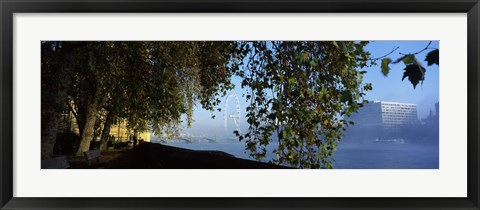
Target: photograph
{"points": [[261, 104], [269, 104]]}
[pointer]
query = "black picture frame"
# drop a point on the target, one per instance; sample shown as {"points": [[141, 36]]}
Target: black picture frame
{"points": [[9, 7]]}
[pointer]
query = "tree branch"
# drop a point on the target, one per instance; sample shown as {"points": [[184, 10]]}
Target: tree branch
{"points": [[426, 48], [378, 58], [72, 109]]}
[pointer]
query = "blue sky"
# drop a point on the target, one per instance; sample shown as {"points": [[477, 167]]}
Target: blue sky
{"points": [[390, 88]]}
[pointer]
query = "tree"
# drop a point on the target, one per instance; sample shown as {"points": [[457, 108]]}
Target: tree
{"points": [[181, 75], [57, 62], [94, 79], [299, 91], [145, 83], [52, 95]]}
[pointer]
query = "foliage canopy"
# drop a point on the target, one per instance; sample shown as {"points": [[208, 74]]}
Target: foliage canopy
{"points": [[299, 93]]}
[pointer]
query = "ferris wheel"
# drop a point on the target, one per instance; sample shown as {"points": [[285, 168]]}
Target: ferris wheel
{"points": [[235, 116]]}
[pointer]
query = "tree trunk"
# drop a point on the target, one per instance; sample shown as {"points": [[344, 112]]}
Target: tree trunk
{"points": [[81, 118], [54, 93], [56, 78], [135, 138], [50, 121], [87, 134], [106, 131]]}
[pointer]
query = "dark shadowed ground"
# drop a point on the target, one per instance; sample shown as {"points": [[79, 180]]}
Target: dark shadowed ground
{"points": [[158, 156]]}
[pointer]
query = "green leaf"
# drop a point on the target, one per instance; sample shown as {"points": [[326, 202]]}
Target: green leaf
{"points": [[292, 81], [409, 59], [385, 67], [432, 57], [335, 44], [284, 134]]}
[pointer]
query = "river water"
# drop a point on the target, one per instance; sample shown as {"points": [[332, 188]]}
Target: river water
{"points": [[349, 156]]}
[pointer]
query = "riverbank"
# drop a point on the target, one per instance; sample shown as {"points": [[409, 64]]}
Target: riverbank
{"points": [[159, 156], [80, 163]]}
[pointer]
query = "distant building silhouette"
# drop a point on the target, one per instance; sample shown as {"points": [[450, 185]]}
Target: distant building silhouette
{"points": [[381, 119], [431, 123]]}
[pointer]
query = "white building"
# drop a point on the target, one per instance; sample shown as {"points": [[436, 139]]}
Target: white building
{"points": [[388, 117]]}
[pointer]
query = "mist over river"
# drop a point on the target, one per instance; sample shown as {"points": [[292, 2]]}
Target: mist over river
{"points": [[347, 156]]}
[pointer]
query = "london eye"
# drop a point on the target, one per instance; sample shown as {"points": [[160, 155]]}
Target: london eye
{"points": [[235, 116]]}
